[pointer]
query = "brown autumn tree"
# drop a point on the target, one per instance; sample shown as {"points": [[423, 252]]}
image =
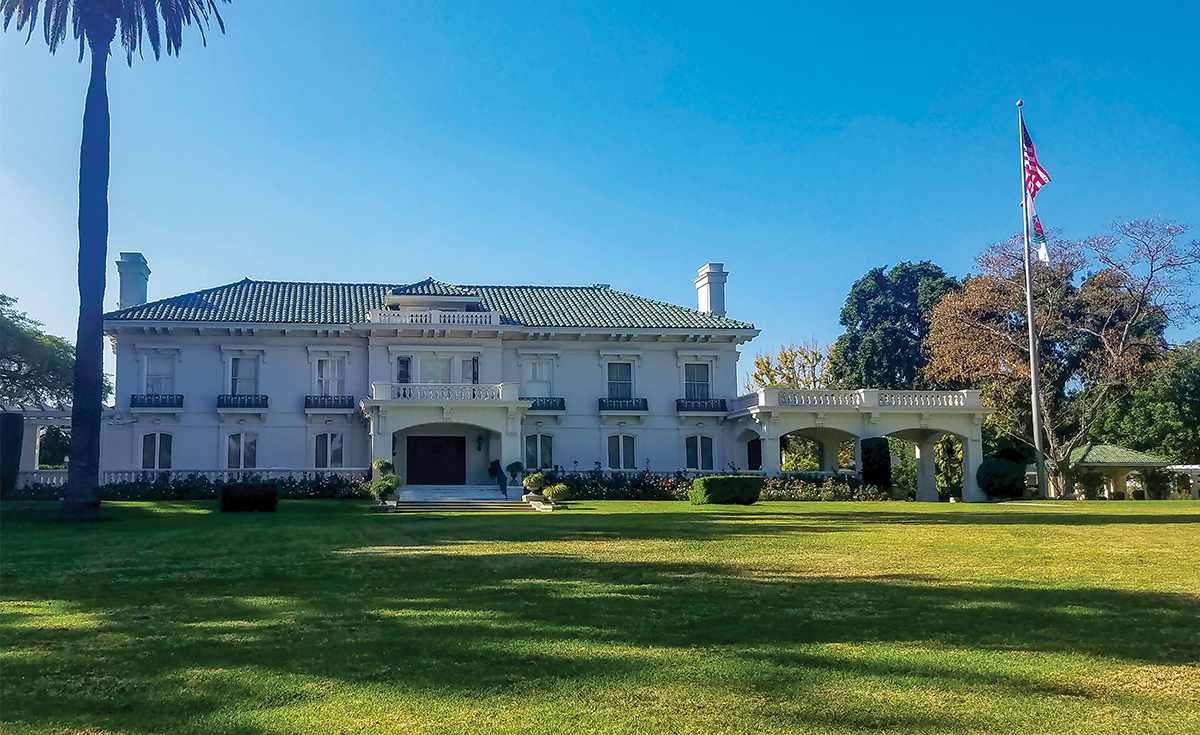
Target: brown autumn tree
{"points": [[1101, 307]]}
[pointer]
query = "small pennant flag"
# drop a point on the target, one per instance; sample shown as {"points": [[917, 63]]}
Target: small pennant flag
{"points": [[1035, 178], [1037, 236]]}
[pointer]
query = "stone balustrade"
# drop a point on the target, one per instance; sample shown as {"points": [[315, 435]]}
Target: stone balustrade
{"points": [[435, 317], [858, 399], [445, 392]]}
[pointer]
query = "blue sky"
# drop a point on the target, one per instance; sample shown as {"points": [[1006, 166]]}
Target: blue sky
{"points": [[623, 143]]}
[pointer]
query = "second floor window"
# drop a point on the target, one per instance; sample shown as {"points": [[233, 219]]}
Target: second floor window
{"points": [[242, 451], [699, 450], [243, 376], [696, 382], [622, 452], [156, 452], [620, 380], [537, 382], [160, 374], [331, 376], [435, 370], [539, 451], [329, 451]]}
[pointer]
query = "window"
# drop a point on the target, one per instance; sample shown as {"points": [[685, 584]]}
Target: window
{"points": [[243, 376], [539, 451], [622, 454], [699, 452], [156, 452], [435, 370], [403, 369], [243, 451], [331, 376], [538, 379], [329, 451], [160, 374], [695, 381], [469, 370], [620, 380]]}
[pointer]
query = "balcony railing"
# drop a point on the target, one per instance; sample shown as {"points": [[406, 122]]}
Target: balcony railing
{"points": [[866, 398], [445, 392], [711, 405], [543, 403], [156, 400], [435, 317], [623, 404], [241, 401], [336, 402]]}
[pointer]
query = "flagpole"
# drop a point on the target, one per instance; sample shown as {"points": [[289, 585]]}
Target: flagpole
{"points": [[1035, 398]]}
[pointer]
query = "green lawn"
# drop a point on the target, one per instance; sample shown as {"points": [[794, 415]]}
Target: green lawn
{"points": [[610, 617]]}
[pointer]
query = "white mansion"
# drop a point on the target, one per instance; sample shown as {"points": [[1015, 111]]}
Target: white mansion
{"points": [[444, 379]]}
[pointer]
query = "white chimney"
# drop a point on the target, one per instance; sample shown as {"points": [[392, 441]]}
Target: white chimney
{"points": [[710, 288], [134, 275]]}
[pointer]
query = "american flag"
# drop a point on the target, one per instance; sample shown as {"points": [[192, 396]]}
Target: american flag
{"points": [[1035, 176]]}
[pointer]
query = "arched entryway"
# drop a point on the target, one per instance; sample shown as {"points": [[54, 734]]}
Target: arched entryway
{"points": [[445, 453]]}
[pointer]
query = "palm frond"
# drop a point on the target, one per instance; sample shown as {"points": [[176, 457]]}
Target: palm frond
{"points": [[160, 23]]}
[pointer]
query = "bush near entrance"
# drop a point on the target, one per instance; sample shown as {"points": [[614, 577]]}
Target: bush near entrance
{"points": [[732, 490]]}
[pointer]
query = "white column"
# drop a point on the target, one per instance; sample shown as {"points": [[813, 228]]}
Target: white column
{"points": [[858, 462], [927, 471], [1118, 480], [1194, 481], [29, 447], [770, 456], [829, 454], [972, 451]]}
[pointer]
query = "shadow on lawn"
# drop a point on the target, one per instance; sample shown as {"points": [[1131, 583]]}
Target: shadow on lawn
{"points": [[189, 646]]}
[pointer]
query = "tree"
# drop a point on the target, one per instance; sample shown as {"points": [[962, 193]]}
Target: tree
{"points": [[1099, 332], [35, 367], [797, 366], [94, 23], [1162, 416], [886, 317]]}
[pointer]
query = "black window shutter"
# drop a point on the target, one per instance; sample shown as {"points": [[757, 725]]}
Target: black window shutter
{"points": [[403, 369], [475, 370]]}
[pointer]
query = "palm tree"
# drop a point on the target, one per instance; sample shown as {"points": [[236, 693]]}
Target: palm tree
{"points": [[94, 23]]}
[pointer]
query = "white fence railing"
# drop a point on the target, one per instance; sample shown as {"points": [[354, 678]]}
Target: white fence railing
{"points": [[53, 478], [435, 317], [923, 398], [820, 398], [445, 392]]}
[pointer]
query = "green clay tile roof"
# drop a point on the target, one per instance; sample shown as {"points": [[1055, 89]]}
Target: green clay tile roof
{"points": [[1110, 455], [285, 302], [431, 287]]}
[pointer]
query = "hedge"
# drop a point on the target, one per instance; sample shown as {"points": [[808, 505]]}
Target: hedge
{"points": [[726, 490]]}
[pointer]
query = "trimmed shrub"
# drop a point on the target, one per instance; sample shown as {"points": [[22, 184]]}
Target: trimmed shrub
{"points": [[557, 493], [876, 462], [1001, 478], [535, 482], [1157, 484], [246, 497], [726, 490], [382, 467], [1091, 484]]}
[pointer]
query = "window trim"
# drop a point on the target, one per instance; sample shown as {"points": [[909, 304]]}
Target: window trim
{"points": [[633, 392], [328, 432], [227, 355], [141, 448], [686, 382], [144, 367], [241, 450]]}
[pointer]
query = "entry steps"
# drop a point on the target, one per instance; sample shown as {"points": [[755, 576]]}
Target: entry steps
{"points": [[459, 499]]}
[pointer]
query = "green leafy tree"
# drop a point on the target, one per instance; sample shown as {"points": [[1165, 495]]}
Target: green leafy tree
{"points": [[35, 367], [803, 366], [1162, 416], [94, 23], [886, 318]]}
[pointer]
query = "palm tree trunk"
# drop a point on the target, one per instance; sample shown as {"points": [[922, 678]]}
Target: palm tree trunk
{"points": [[82, 500]]}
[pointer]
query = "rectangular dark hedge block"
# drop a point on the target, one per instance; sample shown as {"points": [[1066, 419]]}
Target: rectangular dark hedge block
{"points": [[245, 497], [727, 490]]}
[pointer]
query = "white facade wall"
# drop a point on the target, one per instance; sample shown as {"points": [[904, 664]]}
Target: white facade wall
{"points": [[286, 432]]}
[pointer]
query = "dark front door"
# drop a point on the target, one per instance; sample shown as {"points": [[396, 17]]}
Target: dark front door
{"points": [[437, 460]]}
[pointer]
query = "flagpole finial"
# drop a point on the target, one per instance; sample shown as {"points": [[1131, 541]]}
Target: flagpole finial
{"points": [[1020, 102]]}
